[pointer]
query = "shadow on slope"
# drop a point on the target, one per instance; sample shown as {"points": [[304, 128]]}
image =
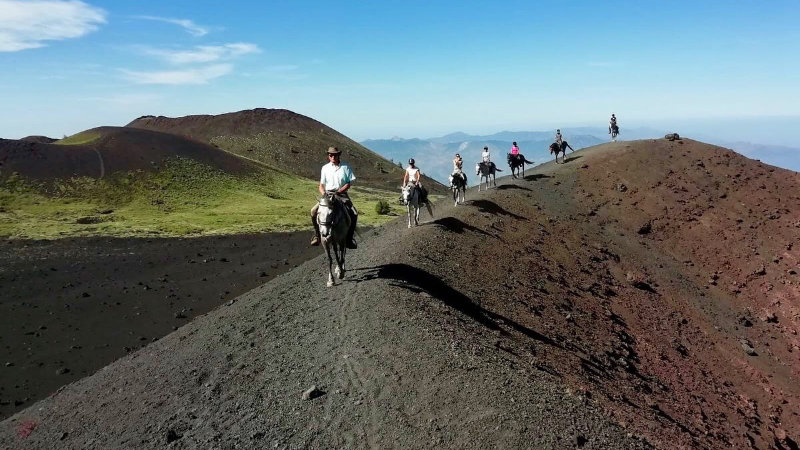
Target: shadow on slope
{"points": [[504, 187], [418, 280], [536, 176], [490, 207], [455, 225]]}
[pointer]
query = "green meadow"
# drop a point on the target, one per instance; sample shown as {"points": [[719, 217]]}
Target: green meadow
{"points": [[84, 137], [184, 198]]}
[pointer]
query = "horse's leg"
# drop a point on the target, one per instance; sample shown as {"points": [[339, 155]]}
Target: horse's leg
{"points": [[340, 260], [416, 215], [330, 263], [408, 209]]}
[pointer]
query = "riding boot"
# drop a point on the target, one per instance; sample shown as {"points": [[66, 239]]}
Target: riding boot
{"points": [[351, 243], [315, 240]]}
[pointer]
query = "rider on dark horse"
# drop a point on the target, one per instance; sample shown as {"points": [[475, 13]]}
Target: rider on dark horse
{"points": [[612, 125], [458, 171], [414, 176], [514, 153], [336, 176], [486, 158]]}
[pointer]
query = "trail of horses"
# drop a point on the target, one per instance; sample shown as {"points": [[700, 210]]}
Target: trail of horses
{"points": [[398, 356], [539, 314]]}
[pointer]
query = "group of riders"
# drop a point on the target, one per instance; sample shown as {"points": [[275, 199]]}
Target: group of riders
{"points": [[337, 177]]}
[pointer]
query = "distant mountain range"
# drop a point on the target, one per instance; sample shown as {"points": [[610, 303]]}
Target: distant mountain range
{"points": [[434, 155]]}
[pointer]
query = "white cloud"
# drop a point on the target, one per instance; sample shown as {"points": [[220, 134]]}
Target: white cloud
{"points": [[188, 25], [28, 24], [205, 53], [199, 75]]}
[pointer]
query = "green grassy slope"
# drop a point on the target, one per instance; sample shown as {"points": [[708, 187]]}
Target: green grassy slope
{"points": [[284, 140], [183, 198]]}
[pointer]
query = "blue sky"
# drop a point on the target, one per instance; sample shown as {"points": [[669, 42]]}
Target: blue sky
{"points": [[410, 68]]}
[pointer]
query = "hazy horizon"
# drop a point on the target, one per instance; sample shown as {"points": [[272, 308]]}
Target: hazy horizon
{"points": [[411, 69]]}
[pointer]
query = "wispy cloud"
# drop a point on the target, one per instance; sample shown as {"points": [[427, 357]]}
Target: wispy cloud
{"points": [[28, 24], [190, 27], [205, 53], [199, 75]]}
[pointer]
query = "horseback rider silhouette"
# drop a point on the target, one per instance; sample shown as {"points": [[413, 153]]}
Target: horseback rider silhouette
{"points": [[613, 129], [336, 176]]}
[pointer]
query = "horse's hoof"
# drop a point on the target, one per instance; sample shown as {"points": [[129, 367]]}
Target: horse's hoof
{"points": [[329, 283]]}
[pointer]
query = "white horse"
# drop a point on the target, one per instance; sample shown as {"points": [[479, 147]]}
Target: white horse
{"points": [[458, 183], [486, 171], [334, 223], [411, 200]]}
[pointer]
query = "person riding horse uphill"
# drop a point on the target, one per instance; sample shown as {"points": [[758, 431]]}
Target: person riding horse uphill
{"points": [[414, 176], [336, 176]]}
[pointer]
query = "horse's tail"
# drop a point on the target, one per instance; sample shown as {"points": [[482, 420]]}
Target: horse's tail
{"points": [[529, 162], [430, 208], [497, 169]]}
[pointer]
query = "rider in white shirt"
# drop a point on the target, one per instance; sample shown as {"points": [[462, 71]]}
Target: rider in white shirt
{"points": [[458, 165], [414, 176], [558, 138], [485, 156], [336, 176]]}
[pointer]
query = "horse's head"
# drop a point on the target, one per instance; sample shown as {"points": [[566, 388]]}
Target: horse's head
{"points": [[326, 213], [554, 148], [406, 192]]}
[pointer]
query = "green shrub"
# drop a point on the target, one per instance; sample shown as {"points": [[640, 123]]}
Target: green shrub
{"points": [[382, 207]]}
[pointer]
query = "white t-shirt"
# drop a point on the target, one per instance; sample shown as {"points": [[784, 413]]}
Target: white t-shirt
{"points": [[334, 177], [413, 174], [485, 156]]}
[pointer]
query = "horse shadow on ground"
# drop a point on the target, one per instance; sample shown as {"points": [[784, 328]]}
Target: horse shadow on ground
{"points": [[490, 207], [504, 187], [536, 176], [455, 225], [572, 158], [418, 280]]}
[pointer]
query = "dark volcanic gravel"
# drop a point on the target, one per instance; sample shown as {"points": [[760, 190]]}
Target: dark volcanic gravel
{"points": [[72, 306]]}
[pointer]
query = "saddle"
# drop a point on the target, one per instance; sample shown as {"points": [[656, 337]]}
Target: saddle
{"points": [[489, 165]]}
